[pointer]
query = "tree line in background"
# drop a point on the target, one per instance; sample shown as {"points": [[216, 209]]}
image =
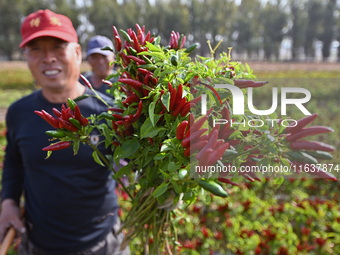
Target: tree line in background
{"points": [[256, 29]]}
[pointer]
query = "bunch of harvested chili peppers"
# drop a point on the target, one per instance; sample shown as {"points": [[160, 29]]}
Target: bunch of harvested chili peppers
{"points": [[158, 125]]}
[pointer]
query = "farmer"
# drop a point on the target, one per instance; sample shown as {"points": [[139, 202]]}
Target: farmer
{"points": [[100, 61], [70, 202]]}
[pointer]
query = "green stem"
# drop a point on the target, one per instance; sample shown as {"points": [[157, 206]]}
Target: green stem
{"points": [[109, 165]]}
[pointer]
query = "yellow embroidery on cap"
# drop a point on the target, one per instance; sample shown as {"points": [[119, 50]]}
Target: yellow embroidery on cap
{"points": [[35, 22], [55, 21]]}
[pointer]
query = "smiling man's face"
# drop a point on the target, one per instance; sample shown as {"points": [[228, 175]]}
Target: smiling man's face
{"points": [[54, 63]]}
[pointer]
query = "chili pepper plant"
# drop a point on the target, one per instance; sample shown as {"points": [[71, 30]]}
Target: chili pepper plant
{"points": [[160, 126]]}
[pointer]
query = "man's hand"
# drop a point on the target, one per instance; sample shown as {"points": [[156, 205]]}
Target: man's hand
{"points": [[10, 217]]}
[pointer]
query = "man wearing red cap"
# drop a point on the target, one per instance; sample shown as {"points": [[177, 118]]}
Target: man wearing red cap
{"points": [[70, 202]]}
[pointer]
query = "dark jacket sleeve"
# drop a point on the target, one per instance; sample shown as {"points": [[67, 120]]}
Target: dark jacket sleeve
{"points": [[13, 173]]}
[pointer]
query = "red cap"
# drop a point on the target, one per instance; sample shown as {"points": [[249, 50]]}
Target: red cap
{"points": [[47, 23]]}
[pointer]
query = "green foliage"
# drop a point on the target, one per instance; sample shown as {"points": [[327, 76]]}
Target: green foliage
{"points": [[258, 218], [252, 26], [299, 217], [15, 79]]}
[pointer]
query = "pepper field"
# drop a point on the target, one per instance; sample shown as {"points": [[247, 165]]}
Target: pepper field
{"points": [[296, 217]]}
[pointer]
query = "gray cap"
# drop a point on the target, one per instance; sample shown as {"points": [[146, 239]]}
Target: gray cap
{"points": [[97, 43]]}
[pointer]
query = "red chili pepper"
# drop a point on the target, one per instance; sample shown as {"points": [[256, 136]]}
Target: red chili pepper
{"points": [[179, 106], [253, 176], [196, 146], [198, 124], [204, 161], [147, 79], [133, 83], [67, 125], [191, 120], [195, 100], [56, 112], [144, 71], [133, 118], [86, 81], [124, 58], [115, 109], [174, 40], [186, 152], [181, 128], [186, 141], [78, 116], [135, 41], [301, 123], [172, 99], [148, 36], [225, 133], [136, 59], [84, 121], [211, 143], [217, 153], [66, 114], [140, 34], [214, 91], [234, 142], [320, 173], [169, 86], [185, 110], [77, 113], [182, 41], [114, 126], [131, 99], [117, 40], [57, 146], [228, 181], [179, 93], [48, 118], [248, 83], [115, 143], [225, 113], [154, 80], [309, 131], [115, 31], [313, 146], [108, 83]]}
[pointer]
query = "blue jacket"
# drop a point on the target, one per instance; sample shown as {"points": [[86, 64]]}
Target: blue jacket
{"points": [[70, 201]]}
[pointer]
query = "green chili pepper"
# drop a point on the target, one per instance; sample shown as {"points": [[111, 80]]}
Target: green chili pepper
{"points": [[75, 122], [191, 48], [213, 187], [229, 152], [132, 51], [147, 60], [174, 60], [56, 133], [71, 103], [81, 97], [320, 155], [107, 115], [301, 157], [126, 35]]}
